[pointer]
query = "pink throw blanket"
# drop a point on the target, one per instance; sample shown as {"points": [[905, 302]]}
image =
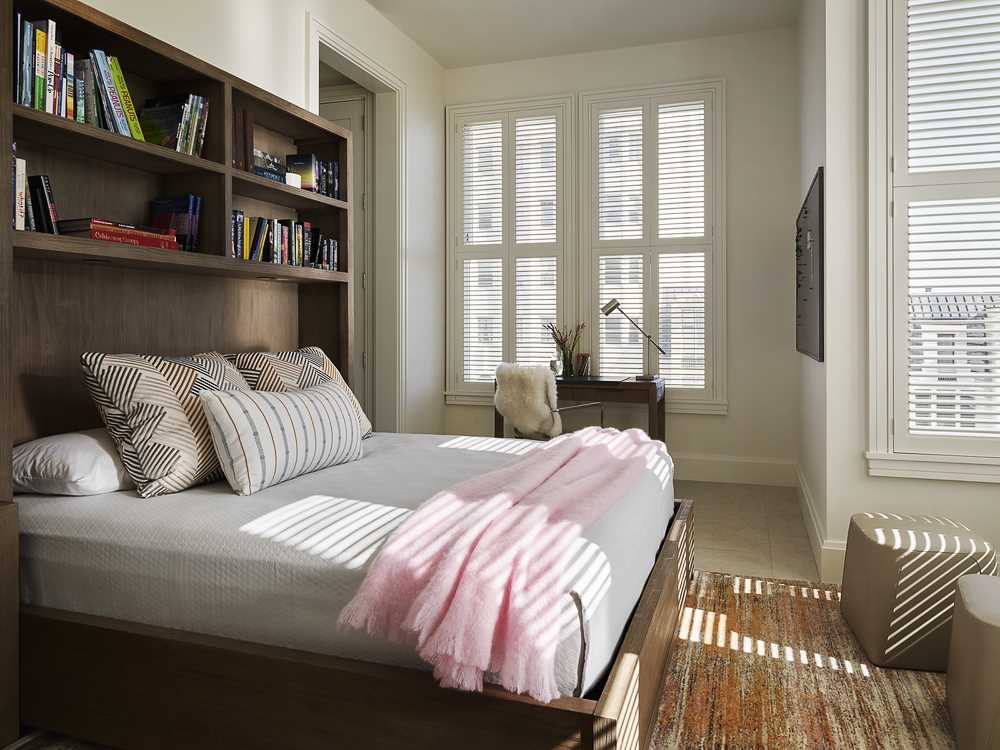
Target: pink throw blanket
{"points": [[473, 575]]}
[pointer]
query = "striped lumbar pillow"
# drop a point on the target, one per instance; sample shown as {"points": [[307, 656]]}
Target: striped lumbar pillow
{"points": [[291, 371], [151, 409], [263, 438]]}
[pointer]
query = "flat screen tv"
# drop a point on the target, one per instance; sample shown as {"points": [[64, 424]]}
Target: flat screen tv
{"points": [[809, 272]]}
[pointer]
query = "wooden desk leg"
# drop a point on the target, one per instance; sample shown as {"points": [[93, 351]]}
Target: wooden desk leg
{"points": [[497, 424]]}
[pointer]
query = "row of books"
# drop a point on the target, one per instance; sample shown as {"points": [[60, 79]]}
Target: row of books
{"points": [[34, 206], [93, 90], [180, 215], [284, 241], [305, 171], [112, 231]]}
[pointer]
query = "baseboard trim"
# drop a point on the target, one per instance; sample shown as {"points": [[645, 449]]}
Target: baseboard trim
{"points": [[828, 553], [707, 467]]}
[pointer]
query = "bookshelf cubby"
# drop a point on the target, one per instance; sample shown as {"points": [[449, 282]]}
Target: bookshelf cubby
{"points": [[63, 295]]}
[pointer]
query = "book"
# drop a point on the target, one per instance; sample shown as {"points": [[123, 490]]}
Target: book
{"points": [[50, 67], [98, 229], [29, 211], [43, 202], [26, 63], [118, 77], [70, 78], [236, 246], [114, 109], [176, 122], [178, 214], [305, 166], [80, 102], [57, 82], [20, 188], [100, 92], [41, 45], [91, 106], [202, 128]]}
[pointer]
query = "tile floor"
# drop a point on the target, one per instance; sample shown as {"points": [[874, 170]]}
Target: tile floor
{"points": [[749, 530]]}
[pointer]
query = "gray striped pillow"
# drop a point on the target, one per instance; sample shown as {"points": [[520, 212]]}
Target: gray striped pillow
{"points": [[263, 438]]}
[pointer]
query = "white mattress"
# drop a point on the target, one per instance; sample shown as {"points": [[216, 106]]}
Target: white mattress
{"points": [[278, 566]]}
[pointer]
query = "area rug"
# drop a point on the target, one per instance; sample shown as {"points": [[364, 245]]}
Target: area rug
{"points": [[764, 663]]}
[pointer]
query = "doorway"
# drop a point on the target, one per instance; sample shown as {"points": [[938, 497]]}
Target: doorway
{"points": [[351, 106]]}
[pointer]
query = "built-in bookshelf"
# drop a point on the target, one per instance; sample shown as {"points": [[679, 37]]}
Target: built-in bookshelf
{"points": [[63, 294]]}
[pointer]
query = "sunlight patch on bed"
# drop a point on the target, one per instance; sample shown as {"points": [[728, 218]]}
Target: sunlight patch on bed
{"points": [[344, 531], [511, 446]]}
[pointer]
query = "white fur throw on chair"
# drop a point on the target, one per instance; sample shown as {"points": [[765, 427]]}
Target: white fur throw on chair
{"points": [[526, 397]]}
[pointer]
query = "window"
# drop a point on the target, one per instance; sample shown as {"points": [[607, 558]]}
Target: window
{"points": [[507, 217], [652, 192], [935, 231]]}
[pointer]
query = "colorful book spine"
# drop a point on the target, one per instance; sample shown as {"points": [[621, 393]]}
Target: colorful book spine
{"points": [[70, 78], [202, 127], [20, 188], [41, 44], [80, 90], [27, 62], [126, 99], [129, 237], [115, 110], [50, 68], [60, 81]]}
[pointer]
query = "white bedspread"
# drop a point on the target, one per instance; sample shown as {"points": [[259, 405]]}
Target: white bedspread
{"points": [[277, 567]]}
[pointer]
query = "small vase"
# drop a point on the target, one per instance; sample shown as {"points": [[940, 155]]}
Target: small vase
{"points": [[567, 368]]}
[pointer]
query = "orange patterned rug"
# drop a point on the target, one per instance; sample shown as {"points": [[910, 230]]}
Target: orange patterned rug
{"points": [[771, 664]]}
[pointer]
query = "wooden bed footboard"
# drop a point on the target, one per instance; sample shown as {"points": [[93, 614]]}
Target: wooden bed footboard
{"points": [[136, 686]]}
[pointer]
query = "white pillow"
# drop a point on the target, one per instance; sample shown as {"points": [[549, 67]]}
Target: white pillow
{"points": [[74, 463], [266, 437]]}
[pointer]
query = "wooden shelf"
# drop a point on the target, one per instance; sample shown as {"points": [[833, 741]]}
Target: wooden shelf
{"points": [[41, 246], [261, 188], [80, 138]]}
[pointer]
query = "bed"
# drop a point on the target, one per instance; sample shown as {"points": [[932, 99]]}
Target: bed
{"points": [[205, 619]]}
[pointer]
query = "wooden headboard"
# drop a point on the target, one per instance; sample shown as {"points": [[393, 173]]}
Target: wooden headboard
{"points": [[71, 308]]}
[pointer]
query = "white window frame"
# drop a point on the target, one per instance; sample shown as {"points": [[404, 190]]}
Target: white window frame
{"points": [[891, 452], [712, 399], [457, 390]]}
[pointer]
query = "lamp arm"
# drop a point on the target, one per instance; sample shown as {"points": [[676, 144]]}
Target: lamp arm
{"points": [[648, 337]]}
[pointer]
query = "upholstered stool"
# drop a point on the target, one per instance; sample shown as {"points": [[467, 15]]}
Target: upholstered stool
{"points": [[974, 664], [899, 585]]}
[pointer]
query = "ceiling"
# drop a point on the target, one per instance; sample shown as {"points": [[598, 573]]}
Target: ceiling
{"points": [[474, 32]]}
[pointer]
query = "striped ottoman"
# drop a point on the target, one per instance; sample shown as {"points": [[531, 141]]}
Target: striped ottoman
{"points": [[898, 593]]}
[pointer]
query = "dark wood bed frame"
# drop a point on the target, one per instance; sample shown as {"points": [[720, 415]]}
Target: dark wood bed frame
{"points": [[134, 686]]}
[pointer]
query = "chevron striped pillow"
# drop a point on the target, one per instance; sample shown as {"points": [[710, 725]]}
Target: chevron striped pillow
{"points": [[291, 371], [263, 438], [151, 409]]}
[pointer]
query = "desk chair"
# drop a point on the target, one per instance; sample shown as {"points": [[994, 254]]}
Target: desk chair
{"points": [[526, 397]]}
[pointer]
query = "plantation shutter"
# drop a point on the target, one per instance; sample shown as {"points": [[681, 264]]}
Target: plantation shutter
{"points": [[620, 277], [619, 174], [482, 282], [953, 326], [946, 229], [952, 76], [681, 170], [535, 179], [482, 173], [536, 304], [681, 306]]}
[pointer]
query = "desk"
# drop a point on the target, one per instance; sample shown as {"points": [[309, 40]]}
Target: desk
{"points": [[611, 390]]}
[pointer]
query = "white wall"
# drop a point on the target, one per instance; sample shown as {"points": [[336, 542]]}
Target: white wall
{"points": [[849, 489], [812, 374], [757, 441], [263, 42]]}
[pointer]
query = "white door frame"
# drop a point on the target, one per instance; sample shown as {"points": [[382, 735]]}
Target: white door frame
{"points": [[390, 288], [353, 93]]}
